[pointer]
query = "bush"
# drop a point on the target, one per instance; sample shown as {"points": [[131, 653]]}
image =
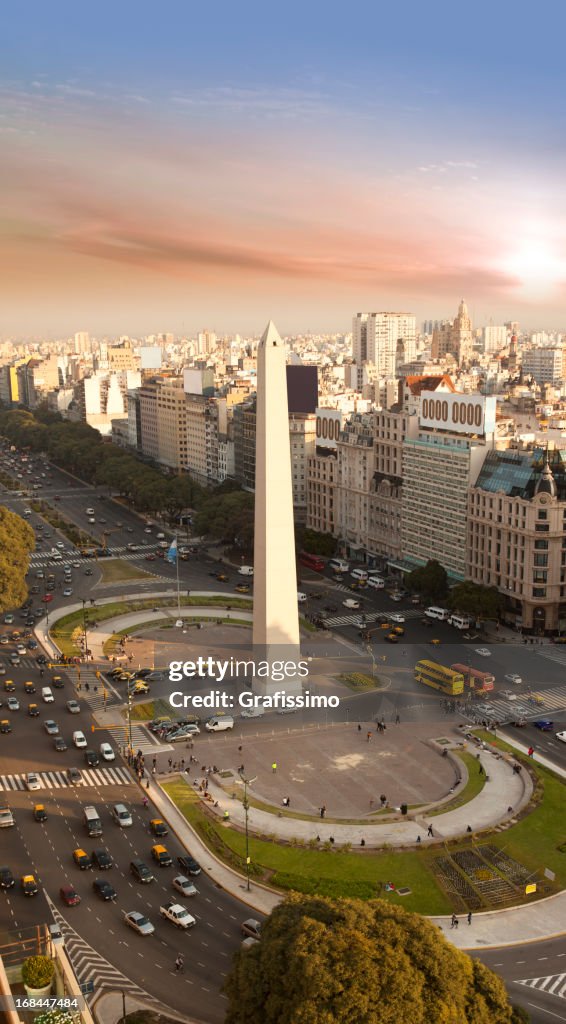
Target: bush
{"points": [[37, 971]]}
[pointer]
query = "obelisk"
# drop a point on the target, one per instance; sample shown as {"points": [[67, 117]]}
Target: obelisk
{"points": [[276, 615]]}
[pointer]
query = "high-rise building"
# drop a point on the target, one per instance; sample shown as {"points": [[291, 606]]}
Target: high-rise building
{"points": [[494, 337], [545, 364], [385, 339]]}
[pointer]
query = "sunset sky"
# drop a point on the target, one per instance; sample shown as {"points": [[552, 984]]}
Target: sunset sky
{"points": [[167, 167]]}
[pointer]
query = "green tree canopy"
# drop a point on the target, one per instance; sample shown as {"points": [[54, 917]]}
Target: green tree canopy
{"points": [[430, 581], [475, 599], [16, 541], [314, 542], [353, 962]]}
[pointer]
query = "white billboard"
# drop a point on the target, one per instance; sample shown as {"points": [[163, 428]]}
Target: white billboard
{"points": [[459, 414], [328, 427]]}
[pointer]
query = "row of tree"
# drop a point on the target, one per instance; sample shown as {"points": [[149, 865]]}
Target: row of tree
{"points": [[351, 962], [430, 581], [17, 541]]}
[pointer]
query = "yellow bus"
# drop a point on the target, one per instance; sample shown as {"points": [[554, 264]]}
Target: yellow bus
{"points": [[439, 677]]}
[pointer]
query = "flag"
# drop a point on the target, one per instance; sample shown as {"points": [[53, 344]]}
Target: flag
{"points": [[172, 553]]}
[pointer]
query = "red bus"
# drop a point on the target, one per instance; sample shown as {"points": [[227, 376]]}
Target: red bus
{"points": [[481, 682], [314, 562]]}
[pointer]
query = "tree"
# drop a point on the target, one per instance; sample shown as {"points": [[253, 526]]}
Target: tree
{"points": [[430, 581], [477, 600], [315, 543], [16, 541], [353, 962]]}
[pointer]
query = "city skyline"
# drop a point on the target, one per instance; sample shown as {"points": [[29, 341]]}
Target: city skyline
{"points": [[215, 171]]}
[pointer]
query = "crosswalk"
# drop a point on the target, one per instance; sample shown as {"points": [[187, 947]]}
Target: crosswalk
{"points": [[536, 704], [58, 780], [552, 653], [38, 559], [92, 969], [553, 984], [355, 618]]}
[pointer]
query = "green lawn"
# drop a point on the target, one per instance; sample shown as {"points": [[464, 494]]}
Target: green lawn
{"points": [[151, 709], [116, 570], [474, 785], [329, 872], [359, 682]]}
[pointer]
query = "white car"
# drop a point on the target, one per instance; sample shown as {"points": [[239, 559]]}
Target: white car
{"points": [[106, 752], [79, 739], [350, 602], [141, 924], [184, 886], [485, 653], [396, 617], [73, 706], [301, 598], [561, 736], [32, 781], [60, 545], [512, 677], [67, 591]]}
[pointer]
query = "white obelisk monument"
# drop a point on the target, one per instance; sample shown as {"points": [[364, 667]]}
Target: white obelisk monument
{"points": [[276, 614]]}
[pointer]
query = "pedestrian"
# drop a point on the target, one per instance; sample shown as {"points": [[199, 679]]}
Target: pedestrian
{"points": [[87, 687], [359, 727], [418, 839], [182, 764], [369, 736], [397, 719], [456, 922], [362, 842], [286, 801], [239, 750], [170, 762], [383, 799], [469, 828], [430, 831], [153, 769], [274, 767], [453, 921], [480, 769], [323, 811], [469, 917], [179, 963]]}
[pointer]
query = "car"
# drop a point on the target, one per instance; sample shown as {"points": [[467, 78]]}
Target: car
{"points": [[106, 752], [189, 864], [73, 707], [139, 687], [251, 928], [161, 856], [15, 659], [33, 711], [7, 880], [13, 704], [67, 591], [79, 739], [512, 677], [350, 602], [29, 687], [39, 813], [29, 885], [92, 759], [47, 598], [34, 589], [141, 924], [242, 588], [102, 859], [74, 776], [21, 649], [41, 659], [397, 618], [398, 630], [150, 557], [177, 914], [88, 571], [9, 686], [82, 859], [51, 727], [158, 827], [69, 895], [103, 889], [147, 529], [132, 547], [91, 519], [484, 652], [60, 545], [58, 682], [221, 577], [8, 619], [129, 529], [184, 886], [141, 872], [561, 736], [76, 565], [544, 724], [392, 638], [5, 726], [59, 744]]}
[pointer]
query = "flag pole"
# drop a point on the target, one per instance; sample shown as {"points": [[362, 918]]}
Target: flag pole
{"points": [[177, 565]]}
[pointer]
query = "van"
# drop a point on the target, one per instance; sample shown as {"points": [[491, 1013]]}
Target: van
{"points": [[438, 613], [47, 695], [121, 815], [376, 582], [338, 565], [92, 821], [459, 621], [89, 512], [359, 574], [246, 570], [220, 724]]}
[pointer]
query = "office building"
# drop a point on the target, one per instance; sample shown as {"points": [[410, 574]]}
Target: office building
{"points": [[385, 339], [547, 365]]}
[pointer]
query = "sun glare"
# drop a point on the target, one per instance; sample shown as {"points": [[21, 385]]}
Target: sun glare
{"points": [[537, 266]]}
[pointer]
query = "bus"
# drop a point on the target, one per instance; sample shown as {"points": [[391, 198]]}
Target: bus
{"points": [[481, 682], [439, 677], [314, 562]]}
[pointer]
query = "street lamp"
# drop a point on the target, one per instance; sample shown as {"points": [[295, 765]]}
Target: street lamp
{"points": [[130, 698], [246, 806], [84, 630]]}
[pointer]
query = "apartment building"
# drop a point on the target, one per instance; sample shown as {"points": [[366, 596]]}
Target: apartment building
{"points": [[517, 536], [302, 434], [391, 428], [354, 473], [321, 490], [384, 339]]}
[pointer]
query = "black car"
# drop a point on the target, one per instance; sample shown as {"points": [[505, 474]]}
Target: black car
{"points": [[104, 889], [140, 871], [92, 758], [189, 864], [102, 859], [59, 744], [29, 688], [6, 878], [74, 776], [41, 659], [143, 672]]}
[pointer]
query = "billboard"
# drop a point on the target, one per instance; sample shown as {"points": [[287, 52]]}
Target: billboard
{"points": [[150, 356], [328, 427], [459, 414]]}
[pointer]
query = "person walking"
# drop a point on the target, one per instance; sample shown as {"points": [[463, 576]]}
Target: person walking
{"points": [[274, 767], [359, 728], [469, 917], [480, 769], [179, 963], [453, 921], [430, 832], [323, 810], [397, 719], [369, 736]]}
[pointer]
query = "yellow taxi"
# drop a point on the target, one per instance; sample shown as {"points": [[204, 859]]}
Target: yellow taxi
{"points": [[29, 885], [39, 812], [33, 710], [82, 859], [161, 856], [158, 827], [5, 725]]}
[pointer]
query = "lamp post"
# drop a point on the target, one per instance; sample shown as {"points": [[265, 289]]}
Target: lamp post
{"points": [[130, 721], [84, 630], [246, 805]]}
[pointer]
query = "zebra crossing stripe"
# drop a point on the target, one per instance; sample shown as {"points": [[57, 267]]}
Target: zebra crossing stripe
{"points": [[555, 984], [52, 778], [3, 782], [122, 773]]}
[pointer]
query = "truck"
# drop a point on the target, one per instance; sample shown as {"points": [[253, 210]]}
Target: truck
{"points": [[6, 817], [177, 914]]}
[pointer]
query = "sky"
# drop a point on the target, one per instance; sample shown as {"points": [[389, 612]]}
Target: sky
{"points": [[176, 166]]}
